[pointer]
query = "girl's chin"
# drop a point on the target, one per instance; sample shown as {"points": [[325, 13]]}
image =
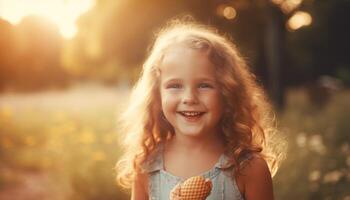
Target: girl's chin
{"points": [[191, 133]]}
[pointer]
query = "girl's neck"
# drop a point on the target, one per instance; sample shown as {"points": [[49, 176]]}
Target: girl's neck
{"points": [[197, 145]]}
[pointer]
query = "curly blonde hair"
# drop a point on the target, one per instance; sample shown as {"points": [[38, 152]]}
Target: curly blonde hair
{"points": [[247, 124]]}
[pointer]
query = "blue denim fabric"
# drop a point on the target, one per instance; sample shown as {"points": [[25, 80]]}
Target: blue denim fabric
{"points": [[162, 182]]}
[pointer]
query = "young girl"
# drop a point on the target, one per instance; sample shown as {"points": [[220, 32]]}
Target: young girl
{"points": [[197, 111]]}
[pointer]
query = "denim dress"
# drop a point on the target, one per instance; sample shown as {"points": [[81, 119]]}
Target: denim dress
{"points": [[162, 182]]}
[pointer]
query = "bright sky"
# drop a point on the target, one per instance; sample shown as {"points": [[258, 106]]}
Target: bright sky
{"points": [[63, 13]]}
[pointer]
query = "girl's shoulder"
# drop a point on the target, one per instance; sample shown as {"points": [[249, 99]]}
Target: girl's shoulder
{"points": [[151, 164], [255, 172], [255, 165], [153, 161], [140, 186]]}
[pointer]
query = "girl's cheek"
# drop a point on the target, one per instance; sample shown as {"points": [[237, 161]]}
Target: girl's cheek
{"points": [[170, 93], [169, 98]]}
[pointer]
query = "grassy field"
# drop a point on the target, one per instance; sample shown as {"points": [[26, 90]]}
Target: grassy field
{"points": [[63, 145]]}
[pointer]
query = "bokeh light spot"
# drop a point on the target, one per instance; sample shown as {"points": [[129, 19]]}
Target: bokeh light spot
{"points": [[229, 12], [298, 20]]}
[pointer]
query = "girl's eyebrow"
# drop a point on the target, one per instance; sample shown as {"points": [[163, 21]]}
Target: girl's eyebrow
{"points": [[198, 80], [172, 80], [206, 79]]}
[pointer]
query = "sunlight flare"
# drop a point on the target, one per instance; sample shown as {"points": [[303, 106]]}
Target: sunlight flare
{"points": [[63, 13]]}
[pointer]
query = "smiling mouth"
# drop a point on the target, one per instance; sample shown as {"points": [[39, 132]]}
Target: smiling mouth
{"points": [[191, 115]]}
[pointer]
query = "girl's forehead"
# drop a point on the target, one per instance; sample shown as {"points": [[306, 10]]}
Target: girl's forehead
{"points": [[180, 54], [182, 62]]}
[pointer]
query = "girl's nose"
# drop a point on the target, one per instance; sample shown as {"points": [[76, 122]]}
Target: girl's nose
{"points": [[189, 97]]}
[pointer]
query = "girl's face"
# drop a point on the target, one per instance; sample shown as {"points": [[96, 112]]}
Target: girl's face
{"points": [[190, 95]]}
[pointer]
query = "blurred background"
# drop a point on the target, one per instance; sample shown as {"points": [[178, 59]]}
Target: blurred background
{"points": [[67, 66]]}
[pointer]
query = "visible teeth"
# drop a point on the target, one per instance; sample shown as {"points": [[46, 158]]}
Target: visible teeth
{"points": [[190, 113]]}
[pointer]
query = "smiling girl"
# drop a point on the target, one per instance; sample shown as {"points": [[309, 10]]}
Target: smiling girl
{"points": [[197, 111]]}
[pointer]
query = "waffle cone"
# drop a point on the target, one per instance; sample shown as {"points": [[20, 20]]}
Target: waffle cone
{"points": [[195, 188]]}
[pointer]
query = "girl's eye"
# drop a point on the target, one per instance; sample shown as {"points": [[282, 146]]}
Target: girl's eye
{"points": [[174, 85], [205, 85]]}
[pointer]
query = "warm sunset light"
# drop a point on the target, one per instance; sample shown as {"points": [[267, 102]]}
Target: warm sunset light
{"points": [[63, 13], [298, 20]]}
